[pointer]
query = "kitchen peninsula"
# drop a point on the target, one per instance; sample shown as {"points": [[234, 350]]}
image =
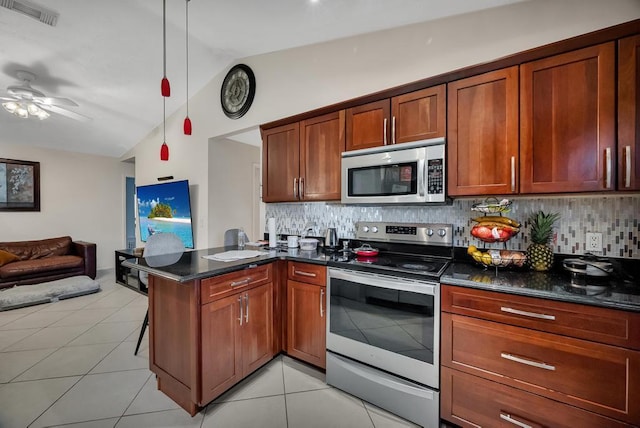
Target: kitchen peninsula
{"points": [[212, 323]]}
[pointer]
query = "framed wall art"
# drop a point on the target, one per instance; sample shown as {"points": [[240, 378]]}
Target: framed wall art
{"points": [[19, 185]]}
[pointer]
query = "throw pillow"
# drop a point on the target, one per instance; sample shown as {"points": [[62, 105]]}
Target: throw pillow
{"points": [[7, 257]]}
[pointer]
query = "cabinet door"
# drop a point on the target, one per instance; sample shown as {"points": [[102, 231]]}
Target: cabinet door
{"points": [[221, 346], [322, 141], [257, 328], [629, 113], [281, 163], [482, 134], [418, 115], [306, 322], [567, 122], [368, 125]]}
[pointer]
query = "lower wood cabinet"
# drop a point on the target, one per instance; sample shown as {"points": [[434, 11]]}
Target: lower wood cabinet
{"points": [[306, 313], [306, 322], [471, 401], [236, 338], [505, 363], [206, 335]]}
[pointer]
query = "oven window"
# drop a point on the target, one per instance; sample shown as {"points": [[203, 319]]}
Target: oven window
{"points": [[397, 321], [384, 180]]}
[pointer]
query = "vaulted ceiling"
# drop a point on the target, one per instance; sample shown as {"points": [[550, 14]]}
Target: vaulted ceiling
{"points": [[107, 55]]}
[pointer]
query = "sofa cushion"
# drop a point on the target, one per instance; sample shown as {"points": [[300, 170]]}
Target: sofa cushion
{"points": [[7, 257], [26, 267], [31, 250]]}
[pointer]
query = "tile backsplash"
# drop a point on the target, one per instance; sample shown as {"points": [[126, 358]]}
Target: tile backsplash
{"points": [[617, 217]]}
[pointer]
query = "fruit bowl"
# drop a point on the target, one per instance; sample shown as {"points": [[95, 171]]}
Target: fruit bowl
{"points": [[492, 206], [498, 258]]}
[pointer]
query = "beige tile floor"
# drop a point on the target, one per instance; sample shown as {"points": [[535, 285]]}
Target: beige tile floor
{"points": [[71, 364]]}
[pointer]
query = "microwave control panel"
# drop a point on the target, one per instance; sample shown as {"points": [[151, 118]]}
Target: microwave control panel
{"points": [[435, 176]]}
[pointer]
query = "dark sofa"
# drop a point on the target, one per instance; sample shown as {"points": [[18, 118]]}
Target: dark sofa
{"points": [[32, 262]]}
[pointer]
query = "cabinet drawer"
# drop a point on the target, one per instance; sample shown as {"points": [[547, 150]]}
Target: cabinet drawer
{"points": [[307, 272], [470, 401], [593, 376], [224, 285], [611, 326]]}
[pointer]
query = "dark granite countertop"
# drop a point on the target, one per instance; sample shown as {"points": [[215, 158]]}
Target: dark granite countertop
{"points": [[615, 293], [192, 265], [556, 284]]}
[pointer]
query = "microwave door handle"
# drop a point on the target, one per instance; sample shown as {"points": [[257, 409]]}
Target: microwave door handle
{"points": [[422, 174]]}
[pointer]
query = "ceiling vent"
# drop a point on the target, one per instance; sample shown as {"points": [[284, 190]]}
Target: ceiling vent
{"points": [[32, 10]]}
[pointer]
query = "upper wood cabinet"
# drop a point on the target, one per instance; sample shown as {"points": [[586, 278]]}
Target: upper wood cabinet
{"points": [[321, 145], [567, 122], [301, 161], [629, 113], [482, 134], [281, 163], [414, 116]]}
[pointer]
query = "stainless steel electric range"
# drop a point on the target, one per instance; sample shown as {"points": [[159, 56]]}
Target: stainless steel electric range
{"points": [[383, 318]]}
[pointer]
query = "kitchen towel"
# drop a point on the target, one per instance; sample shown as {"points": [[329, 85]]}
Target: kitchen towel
{"points": [[271, 229]]}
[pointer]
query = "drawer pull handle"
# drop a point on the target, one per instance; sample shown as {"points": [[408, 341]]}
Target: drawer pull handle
{"points": [[516, 422], [528, 314], [299, 272], [527, 362], [243, 282]]}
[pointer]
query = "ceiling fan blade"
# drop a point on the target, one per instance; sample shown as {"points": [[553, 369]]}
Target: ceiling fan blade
{"points": [[9, 98], [55, 101], [64, 112]]}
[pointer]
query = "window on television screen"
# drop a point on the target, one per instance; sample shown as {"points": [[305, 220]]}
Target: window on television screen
{"points": [[165, 207]]}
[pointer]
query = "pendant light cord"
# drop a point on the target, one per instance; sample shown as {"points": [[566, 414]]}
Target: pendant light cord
{"points": [[164, 37], [187, 48], [164, 120]]}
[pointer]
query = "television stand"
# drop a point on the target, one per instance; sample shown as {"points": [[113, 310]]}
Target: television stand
{"points": [[128, 277]]}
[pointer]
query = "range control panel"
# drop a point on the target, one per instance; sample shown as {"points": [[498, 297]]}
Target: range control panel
{"points": [[415, 233]]}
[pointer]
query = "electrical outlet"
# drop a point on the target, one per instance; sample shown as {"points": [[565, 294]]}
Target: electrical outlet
{"points": [[594, 241]]}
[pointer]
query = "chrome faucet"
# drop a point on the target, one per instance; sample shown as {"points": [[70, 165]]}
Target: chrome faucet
{"points": [[309, 226]]}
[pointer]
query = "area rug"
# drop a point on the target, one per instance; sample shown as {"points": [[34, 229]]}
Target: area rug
{"points": [[45, 292]]}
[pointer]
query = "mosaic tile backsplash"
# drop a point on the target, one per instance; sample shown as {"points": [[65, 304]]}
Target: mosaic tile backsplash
{"points": [[616, 217]]}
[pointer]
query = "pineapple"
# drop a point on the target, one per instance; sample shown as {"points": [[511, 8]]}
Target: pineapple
{"points": [[539, 254]]}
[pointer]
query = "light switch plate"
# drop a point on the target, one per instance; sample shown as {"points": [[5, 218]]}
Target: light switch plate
{"points": [[594, 242]]}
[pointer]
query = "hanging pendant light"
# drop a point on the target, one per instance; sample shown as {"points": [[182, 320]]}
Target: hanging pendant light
{"points": [[165, 88], [187, 121], [164, 149]]}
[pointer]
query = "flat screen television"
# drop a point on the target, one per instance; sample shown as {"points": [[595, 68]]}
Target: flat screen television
{"points": [[165, 207]]}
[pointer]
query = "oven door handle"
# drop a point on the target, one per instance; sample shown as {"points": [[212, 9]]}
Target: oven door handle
{"points": [[384, 282]]}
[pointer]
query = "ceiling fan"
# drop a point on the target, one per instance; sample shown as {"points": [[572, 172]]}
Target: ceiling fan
{"points": [[24, 101]]}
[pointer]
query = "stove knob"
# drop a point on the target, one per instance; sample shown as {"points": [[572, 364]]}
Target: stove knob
{"points": [[430, 232], [374, 229], [442, 232], [365, 229]]}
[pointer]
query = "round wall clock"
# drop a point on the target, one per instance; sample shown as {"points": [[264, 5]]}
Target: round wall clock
{"points": [[238, 89]]}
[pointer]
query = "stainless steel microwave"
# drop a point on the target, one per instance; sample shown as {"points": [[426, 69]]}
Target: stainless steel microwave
{"points": [[406, 173]]}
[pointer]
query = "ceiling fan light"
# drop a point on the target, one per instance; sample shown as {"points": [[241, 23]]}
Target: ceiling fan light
{"points": [[21, 112], [10, 106], [42, 115], [33, 109]]}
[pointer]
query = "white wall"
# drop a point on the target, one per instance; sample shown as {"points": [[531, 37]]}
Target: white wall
{"points": [[81, 196], [301, 79], [231, 183]]}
